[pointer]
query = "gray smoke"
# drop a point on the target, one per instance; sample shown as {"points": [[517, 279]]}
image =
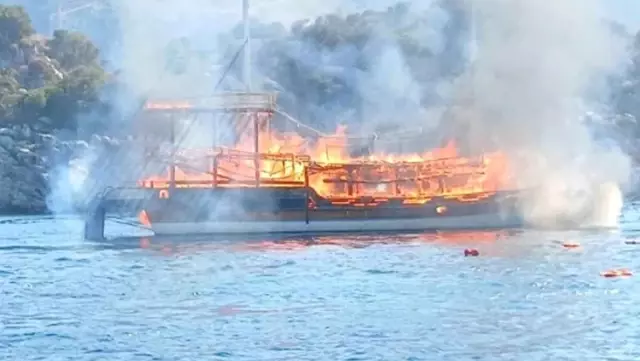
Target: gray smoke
{"points": [[388, 90]]}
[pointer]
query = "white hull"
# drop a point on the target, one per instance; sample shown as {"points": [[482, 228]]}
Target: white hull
{"points": [[482, 221]]}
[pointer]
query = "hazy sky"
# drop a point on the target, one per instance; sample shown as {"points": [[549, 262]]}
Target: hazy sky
{"points": [[627, 12], [624, 11]]}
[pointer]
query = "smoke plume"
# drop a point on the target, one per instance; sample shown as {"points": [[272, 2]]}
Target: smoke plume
{"points": [[537, 61]]}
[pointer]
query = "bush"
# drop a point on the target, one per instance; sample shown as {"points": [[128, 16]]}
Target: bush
{"points": [[62, 77]]}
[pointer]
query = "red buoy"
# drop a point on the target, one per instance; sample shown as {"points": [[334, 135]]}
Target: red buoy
{"points": [[471, 252]]}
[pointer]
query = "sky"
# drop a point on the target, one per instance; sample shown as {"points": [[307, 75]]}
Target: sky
{"points": [[626, 12]]}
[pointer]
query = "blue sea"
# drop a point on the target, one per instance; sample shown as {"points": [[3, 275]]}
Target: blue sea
{"points": [[526, 297]]}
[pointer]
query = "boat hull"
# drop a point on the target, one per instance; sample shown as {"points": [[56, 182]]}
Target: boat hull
{"points": [[481, 221], [264, 211]]}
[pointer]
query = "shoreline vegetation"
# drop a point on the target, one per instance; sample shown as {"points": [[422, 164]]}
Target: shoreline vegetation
{"points": [[57, 98]]}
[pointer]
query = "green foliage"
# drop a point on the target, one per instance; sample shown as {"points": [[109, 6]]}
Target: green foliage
{"points": [[72, 50], [45, 81], [15, 25], [8, 82]]}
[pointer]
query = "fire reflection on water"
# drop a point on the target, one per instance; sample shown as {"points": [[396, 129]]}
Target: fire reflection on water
{"points": [[449, 238]]}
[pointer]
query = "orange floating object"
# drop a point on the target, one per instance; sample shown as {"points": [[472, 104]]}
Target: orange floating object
{"points": [[609, 274], [143, 218], [571, 245], [471, 252], [623, 272]]}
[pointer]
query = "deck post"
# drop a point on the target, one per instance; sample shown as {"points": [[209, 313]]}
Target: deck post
{"points": [[214, 156], [256, 148], [267, 120], [214, 170], [396, 186], [172, 165], [94, 222], [419, 170], [306, 197]]}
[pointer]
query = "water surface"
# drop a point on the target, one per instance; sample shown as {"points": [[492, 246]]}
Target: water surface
{"points": [[407, 297]]}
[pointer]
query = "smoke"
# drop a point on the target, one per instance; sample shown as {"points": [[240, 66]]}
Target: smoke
{"points": [[536, 64], [378, 69]]}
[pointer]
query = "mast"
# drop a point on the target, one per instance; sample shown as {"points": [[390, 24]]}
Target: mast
{"points": [[246, 68], [469, 101], [246, 73], [59, 15], [473, 33]]}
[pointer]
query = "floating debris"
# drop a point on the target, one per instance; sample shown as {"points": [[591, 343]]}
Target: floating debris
{"points": [[471, 252], [571, 244], [612, 273]]}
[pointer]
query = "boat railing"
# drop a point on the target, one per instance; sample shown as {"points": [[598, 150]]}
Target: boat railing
{"points": [[228, 102]]}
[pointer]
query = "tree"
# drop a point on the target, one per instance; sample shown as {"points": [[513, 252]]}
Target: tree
{"points": [[72, 50], [54, 79], [15, 25]]}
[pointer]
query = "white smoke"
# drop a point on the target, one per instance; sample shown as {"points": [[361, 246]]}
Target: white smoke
{"points": [[536, 62]]}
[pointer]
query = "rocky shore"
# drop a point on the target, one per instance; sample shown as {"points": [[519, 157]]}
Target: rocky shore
{"points": [[26, 158], [37, 170]]}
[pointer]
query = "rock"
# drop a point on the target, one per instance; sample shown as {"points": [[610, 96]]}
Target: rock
{"points": [[22, 183], [6, 141]]}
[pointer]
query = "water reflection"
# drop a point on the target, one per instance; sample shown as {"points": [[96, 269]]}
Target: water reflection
{"points": [[182, 245], [507, 243]]}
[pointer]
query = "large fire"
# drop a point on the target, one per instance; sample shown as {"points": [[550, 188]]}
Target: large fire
{"points": [[324, 164]]}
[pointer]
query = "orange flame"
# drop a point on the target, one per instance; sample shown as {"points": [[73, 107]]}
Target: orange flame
{"points": [[289, 160]]}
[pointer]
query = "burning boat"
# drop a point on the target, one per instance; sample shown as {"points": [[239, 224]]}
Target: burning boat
{"points": [[262, 177], [248, 167]]}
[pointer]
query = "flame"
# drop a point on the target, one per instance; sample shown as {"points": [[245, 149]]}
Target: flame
{"points": [[286, 159], [143, 218]]}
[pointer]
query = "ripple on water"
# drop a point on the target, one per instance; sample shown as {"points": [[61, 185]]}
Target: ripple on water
{"points": [[412, 297]]}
